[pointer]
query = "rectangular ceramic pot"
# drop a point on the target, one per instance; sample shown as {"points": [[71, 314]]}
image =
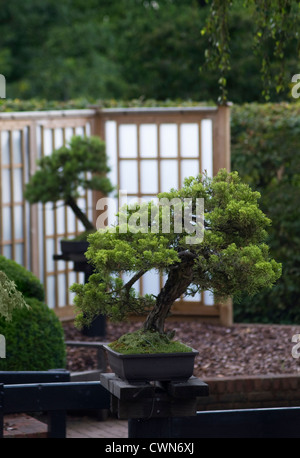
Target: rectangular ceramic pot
{"points": [[152, 367]]}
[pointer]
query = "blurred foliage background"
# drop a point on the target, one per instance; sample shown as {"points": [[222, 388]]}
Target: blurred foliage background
{"points": [[125, 49], [147, 53]]}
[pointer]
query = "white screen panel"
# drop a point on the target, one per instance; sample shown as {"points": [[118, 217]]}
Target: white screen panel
{"points": [[206, 147], [19, 253], [168, 175], [128, 140], [5, 150], [129, 176], [189, 168], [88, 129], [149, 177], [189, 140], [208, 298], [17, 146], [18, 184], [127, 276], [168, 140], [60, 217], [79, 131], [61, 283], [48, 147], [6, 193], [82, 205], [72, 280], [18, 221], [69, 132], [111, 150], [7, 228], [7, 251], [71, 220], [151, 282], [58, 138], [50, 251], [49, 219], [50, 291], [148, 140]]}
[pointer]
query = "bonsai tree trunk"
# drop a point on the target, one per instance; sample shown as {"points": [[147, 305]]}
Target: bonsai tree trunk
{"points": [[179, 278], [71, 202]]}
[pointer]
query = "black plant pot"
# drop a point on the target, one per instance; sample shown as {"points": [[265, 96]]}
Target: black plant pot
{"points": [[152, 367], [74, 250]]}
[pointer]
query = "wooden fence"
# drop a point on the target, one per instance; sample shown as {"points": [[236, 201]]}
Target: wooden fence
{"points": [[150, 150]]}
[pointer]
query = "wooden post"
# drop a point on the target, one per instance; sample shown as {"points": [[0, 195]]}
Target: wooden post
{"points": [[149, 406], [34, 219], [221, 140], [221, 160]]}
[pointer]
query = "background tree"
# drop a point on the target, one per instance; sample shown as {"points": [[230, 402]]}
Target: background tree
{"points": [[149, 49]]}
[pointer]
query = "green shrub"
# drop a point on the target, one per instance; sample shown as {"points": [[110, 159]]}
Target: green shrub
{"points": [[25, 281], [265, 149], [34, 339]]}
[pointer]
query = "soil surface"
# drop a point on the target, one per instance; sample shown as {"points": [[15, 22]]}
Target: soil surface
{"points": [[223, 351]]}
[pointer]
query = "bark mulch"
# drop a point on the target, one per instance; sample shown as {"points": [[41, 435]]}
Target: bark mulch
{"points": [[223, 351]]}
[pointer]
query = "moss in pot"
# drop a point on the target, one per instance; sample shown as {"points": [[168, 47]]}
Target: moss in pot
{"points": [[220, 249]]}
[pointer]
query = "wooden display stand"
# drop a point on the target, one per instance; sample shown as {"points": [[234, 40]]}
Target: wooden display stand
{"points": [[149, 406]]}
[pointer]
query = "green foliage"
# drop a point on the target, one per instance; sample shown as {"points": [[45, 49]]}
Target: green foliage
{"points": [[143, 49], [147, 342], [34, 339], [265, 151], [60, 176], [24, 280], [10, 297], [231, 259], [275, 31]]}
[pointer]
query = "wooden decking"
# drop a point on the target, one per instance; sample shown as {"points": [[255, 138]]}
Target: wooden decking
{"points": [[88, 427]]}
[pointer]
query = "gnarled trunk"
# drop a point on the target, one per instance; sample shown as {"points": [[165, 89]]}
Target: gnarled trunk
{"points": [[79, 214], [179, 278]]}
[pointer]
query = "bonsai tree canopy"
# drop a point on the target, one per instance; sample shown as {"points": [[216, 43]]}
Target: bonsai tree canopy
{"points": [[80, 165], [229, 258]]}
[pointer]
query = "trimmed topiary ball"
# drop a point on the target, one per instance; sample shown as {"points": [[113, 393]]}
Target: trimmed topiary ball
{"points": [[25, 281], [34, 339]]}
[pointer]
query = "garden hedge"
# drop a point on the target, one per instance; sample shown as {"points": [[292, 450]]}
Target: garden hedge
{"points": [[265, 150], [25, 281], [34, 337]]}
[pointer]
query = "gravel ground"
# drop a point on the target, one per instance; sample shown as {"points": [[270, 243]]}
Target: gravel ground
{"points": [[223, 351]]}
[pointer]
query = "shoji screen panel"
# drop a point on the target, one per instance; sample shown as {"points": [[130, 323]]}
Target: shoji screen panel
{"points": [[56, 221], [153, 152], [14, 211]]}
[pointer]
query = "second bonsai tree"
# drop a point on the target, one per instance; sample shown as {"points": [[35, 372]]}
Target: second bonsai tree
{"points": [[80, 165], [229, 258]]}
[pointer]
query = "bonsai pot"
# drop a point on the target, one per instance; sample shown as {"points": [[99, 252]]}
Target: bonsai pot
{"points": [[74, 246], [152, 367]]}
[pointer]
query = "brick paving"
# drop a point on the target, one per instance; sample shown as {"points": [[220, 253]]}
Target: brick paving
{"points": [[87, 427]]}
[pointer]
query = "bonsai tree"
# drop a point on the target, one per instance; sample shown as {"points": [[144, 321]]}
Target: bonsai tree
{"points": [[228, 257], [10, 297], [80, 165]]}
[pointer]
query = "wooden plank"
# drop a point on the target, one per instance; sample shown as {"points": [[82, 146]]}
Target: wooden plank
{"points": [[34, 219], [55, 396], [123, 390], [245, 423], [194, 387]]}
